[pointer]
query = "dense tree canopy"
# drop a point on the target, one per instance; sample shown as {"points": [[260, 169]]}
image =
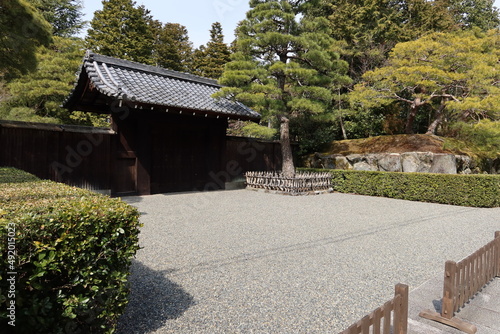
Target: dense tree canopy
{"points": [[122, 30], [371, 28], [65, 16], [38, 96], [283, 66], [451, 76], [475, 13], [209, 60], [22, 29], [172, 48], [421, 65]]}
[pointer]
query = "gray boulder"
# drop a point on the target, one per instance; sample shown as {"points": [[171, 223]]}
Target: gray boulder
{"points": [[444, 163], [416, 162], [390, 162], [366, 162]]}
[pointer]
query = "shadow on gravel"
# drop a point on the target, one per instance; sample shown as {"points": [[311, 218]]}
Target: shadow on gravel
{"points": [[154, 300]]}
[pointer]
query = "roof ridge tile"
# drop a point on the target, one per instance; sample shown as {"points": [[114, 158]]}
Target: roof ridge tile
{"points": [[129, 64]]}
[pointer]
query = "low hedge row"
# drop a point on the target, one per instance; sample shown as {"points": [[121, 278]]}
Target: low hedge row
{"points": [[13, 175], [465, 190], [73, 250]]}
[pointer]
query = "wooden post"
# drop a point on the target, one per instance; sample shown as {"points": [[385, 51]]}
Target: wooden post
{"points": [[447, 305], [401, 316], [448, 289], [497, 254]]}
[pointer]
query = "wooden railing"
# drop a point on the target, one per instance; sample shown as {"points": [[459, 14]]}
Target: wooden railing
{"points": [[391, 318], [465, 279], [302, 182]]}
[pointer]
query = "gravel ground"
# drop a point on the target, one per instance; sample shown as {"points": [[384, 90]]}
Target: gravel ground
{"points": [[253, 262]]}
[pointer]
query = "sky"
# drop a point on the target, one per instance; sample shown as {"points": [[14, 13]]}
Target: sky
{"points": [[196, 15]]}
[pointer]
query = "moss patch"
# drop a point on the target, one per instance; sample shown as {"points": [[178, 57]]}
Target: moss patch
{"points": [[393, 144]]}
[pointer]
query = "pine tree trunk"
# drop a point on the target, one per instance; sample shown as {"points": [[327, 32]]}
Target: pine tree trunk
{"points": [[431, 130], [410, 120], [344, 133], [288, 169]]}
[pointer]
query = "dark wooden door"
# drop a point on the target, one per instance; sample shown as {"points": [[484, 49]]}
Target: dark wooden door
{"points": [[125, 176], [181, 157]]}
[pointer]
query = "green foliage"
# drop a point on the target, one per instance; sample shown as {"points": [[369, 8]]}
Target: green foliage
{"points": [[284, 66], [371, 28], [483, 138], [251, 129], [312, 132], [65, 16], [13, 175], [258, 131], [23, 114], [122, 30], [74, 250], [209, 60], [172, 48], [463, 190], [450, 76], [38, 96], [22, 31], [475, 13]]}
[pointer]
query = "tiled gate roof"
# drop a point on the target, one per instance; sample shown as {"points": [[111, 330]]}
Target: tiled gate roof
{"points": [[155, 86]]}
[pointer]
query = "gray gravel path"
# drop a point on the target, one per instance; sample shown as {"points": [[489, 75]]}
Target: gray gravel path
{"points": [[252, 262]]}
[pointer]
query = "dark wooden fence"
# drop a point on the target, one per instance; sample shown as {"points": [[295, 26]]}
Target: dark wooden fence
{"points": [[86, 157], [463, 280], [75, 155], [390, 318], [253, 154]]}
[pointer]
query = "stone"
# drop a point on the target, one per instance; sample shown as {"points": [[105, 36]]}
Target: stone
{"points": [[416, 162], [444, 163], [366, 162], [495, 166], [413, 162], [341, 162], [328, 161], [390, 162], [464, 164]]}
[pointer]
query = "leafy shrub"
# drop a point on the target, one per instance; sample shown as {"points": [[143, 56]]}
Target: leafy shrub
{"points": [[252, 130], [13, 175], [74, 250], [464, 190], [481, 138]]}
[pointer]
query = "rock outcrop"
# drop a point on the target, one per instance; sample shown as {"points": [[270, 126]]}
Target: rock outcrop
{"points": [[413, 162]]}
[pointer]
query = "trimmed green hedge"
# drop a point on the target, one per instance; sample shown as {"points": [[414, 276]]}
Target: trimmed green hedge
{"points": [[73, 253], [13, 175], [465, 190]]}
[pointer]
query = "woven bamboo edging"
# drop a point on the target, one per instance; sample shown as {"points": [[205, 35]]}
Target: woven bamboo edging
{"points": [[304, 182]]}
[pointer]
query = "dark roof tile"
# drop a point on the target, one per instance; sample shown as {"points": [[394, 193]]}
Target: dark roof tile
{"points": [[158, 86]]}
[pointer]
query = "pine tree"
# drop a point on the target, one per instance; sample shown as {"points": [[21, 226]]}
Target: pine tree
{"points": [[38, 96], [475, 13], [65, 16], [172, 48], [22, 31], [284, 66], [371, 28], [447, 76], [209, 61], [122, 30]]}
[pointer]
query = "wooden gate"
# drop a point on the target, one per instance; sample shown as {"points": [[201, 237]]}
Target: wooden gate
{"points": [[184, 157]]}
